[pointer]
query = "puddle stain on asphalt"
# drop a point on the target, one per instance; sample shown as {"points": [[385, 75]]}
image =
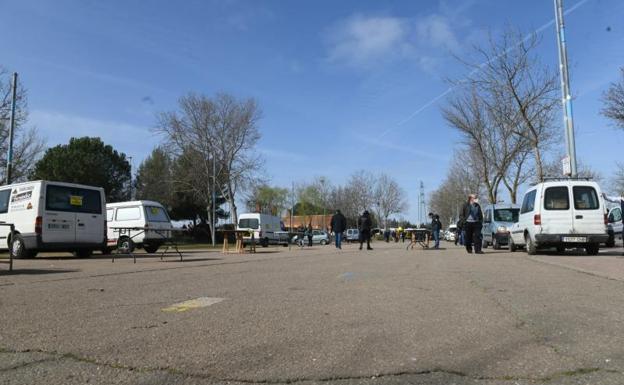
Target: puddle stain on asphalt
{"points": [[192, 304]]}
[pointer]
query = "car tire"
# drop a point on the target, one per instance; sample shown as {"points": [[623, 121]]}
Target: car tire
{"points": [[125, 245], [531, 247], [592, 249], [323, 242], [82, 253], [19, 250], [561, 249], [512, 246], [264, 242], [484, 243], [151, 249], [495, 243]]}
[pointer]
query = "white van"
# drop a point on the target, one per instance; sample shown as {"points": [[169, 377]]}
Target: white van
{"points": [[561, 213], [52, 216], [150, 216], [266, 229]]}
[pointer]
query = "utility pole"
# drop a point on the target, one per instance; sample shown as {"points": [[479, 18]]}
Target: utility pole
{"points": [[214, 202], [9, 167], [566, 99], [421, 200]]}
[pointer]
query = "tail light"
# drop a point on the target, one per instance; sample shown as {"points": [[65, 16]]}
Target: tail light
{"points": [[105, 230], [38, 225], [606, 219], [537, 219]]}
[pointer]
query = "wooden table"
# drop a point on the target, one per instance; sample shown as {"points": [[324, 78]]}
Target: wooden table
{"points": [[240, 241]]}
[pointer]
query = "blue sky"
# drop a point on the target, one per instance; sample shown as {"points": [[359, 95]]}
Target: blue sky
{"points": [[342, 85]]}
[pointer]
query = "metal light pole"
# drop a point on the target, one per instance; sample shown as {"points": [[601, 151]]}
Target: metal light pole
{"points": [[565, 87], [214, 202], [9, 166]]}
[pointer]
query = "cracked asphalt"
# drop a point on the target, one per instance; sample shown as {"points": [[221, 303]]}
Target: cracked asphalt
{"points": [[315, 316]]}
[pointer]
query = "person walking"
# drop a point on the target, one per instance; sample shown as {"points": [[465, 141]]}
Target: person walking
{"points": [[364, 226], [338, 225], [310, 235], [472, 223], [436, 226]]}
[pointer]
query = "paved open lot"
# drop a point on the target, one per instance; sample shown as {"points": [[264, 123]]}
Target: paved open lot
{"points": [[314, 316]]}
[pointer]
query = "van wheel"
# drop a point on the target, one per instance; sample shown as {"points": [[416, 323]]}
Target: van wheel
{"points": [[18, 248], [561, 249], [531, 248], [484, 244], [264, 242], [125, 245], [83, 253], [592, 249], [512, 245], [151, 248]]}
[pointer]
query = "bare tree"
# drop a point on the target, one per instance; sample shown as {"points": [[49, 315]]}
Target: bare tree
{"points": [[220, 131], [613, 100], [27, 144], [513, 76], [389, 198]]}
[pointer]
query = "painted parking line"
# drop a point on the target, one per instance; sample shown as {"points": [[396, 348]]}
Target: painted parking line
{"points": [[192, 304]]}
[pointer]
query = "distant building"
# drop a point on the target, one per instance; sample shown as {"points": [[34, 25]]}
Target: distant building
{"points": [[304, 220]]}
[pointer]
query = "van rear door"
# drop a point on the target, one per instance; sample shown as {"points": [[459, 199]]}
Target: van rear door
{"points": [[556, 217], [156, 218], [90, 220], [59, 217], [588, 211]]}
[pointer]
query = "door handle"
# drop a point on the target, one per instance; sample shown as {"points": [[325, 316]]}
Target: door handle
{"points": [[81, 224], [579, 217]]}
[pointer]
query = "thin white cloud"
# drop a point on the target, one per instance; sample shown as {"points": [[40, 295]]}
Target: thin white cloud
{"points": [[282, 155], [364, 42], [360, 41], [134, 140]]}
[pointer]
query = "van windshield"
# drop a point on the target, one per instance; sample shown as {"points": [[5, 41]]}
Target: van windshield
{"points": [[73, 199], [248, 223], [156, 214], [506, 215]]}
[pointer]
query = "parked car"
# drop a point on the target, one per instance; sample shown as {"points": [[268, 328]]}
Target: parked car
{"points": [[451, 233], [52, 216], [561, 213], [150, 215], [497, 221], [318, 237], [264, 229], [352, 235]]}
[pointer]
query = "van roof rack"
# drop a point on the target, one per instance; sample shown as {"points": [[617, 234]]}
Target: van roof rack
{"points": [[563, 178]]}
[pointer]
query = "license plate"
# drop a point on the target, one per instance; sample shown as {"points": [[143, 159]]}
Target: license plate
{"points": [[575, 239]]}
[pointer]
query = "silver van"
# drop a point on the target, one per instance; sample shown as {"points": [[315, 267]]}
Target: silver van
{"points": [[497, 222]]}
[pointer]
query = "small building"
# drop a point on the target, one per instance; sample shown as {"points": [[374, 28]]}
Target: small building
{"points": [[319, 222]]}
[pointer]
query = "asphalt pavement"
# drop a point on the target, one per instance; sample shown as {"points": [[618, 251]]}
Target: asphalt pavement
{"points": [[315, 316]]}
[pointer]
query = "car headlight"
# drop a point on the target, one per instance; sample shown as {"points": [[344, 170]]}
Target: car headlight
{"points": [[502, 229]]}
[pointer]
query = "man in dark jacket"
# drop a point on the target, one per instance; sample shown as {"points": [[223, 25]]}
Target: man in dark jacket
{"points": [[364, 226], [338, 225], [472, 222], [436, 226]]}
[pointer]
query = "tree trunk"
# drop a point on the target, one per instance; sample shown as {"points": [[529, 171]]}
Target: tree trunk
{"points": [[538, 164], [212, 230]]}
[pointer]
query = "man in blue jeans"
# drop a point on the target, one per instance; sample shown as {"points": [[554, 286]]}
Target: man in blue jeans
{"points": [[436, 226], [338, 225]]}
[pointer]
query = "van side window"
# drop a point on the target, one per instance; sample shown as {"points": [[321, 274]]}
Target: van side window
{"points": [[557, 198], [4, 200], [128, 213], [585, 198], [109, 215], [528, 204]]}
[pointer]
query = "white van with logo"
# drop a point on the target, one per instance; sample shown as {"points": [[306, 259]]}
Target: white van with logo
{"points": [[52, 216], [561, 213], [265, 229], [142, 224]]}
